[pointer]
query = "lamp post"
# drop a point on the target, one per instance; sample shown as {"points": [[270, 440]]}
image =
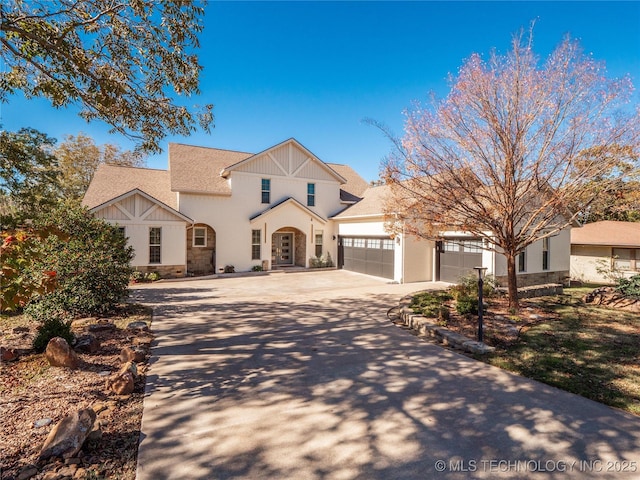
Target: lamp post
{"points": [[481, 272]]}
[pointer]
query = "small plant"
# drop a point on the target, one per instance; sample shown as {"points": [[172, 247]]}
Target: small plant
{"points": [[152, 276], [468, 286], [321, 262], [229, 269], [609, 270], [629, 287], [256, 268], [443, 315], [467, 305], [137, 276], [51, 328]]}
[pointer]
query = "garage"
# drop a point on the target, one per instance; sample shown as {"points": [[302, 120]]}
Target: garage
{"points": [[373, 256], [457, 257]]}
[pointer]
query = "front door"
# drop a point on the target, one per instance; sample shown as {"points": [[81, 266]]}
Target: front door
{"points": [[282, 249]]}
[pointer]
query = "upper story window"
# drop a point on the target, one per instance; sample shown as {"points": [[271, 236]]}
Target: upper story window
{"points": [[545, 253], [155, 239], [311, 194], [199, 237], [266, 190]]}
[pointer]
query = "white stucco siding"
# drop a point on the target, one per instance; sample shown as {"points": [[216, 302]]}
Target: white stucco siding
{"points": [[585, 261], [173, 237], [364, 228]]}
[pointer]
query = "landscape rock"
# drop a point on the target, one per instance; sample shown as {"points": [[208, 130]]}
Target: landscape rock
{"points": [[132, 354], [8, 354], [122, 382], [68, 436], [60, 354], [87, 343], [21, 330], [27, 472], [143, 341], [102, 326], [43, 422], [140, 326]]}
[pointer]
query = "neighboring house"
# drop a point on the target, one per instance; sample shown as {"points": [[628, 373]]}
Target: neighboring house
{"points": [[280, 208], [603, 248]]}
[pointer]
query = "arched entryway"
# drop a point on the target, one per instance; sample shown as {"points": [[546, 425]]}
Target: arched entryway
{"points": [[201, 250], [288, 248]]}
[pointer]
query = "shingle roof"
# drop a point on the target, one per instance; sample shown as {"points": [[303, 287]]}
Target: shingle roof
{"points": [[197, 169], [110, 181], [356, 185], [372, 203], [607, 232]]}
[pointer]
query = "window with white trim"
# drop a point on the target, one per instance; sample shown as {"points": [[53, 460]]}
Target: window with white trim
{"points": [[155, 244], [256, 235], [311, 194], [358, 242], [199, 237], [318, 242], [522, 262], [387, 244], [545, 253], [266, 190]]}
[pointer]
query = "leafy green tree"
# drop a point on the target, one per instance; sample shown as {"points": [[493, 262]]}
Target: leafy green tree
{"points": [[28, 174], [79, 157], [89, 259], [121, 62]]}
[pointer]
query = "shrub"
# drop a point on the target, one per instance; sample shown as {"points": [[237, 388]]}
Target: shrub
{"points": [[629, 287], [89, 257], [467, 304], [428, 303], [229, 269], [256, 268], [152, 276], [51, 328], [468, 286], [321, 262]]}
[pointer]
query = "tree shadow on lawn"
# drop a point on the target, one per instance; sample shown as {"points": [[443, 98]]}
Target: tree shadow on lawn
{"points": [[330, 388]]}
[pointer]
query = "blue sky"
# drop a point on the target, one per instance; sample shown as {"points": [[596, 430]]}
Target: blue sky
{"points": [[315, 70]]}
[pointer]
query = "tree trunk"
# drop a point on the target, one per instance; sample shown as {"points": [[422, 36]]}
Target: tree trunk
{"points": [[512, 282]]}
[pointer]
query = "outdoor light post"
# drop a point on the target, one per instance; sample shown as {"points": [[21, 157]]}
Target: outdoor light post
{"points": [[481, 272]]}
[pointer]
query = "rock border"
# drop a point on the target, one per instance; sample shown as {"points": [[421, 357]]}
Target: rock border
{"points": [[424, 327]]}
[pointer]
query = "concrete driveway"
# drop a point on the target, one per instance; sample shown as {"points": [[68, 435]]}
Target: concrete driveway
{"points": [[302, 376]]}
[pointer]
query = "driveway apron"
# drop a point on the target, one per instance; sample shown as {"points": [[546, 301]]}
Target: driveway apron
{"points": [[302, 376]]}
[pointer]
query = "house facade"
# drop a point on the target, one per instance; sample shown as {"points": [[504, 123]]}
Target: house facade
{"points": [[218, 210], [602, 251]]}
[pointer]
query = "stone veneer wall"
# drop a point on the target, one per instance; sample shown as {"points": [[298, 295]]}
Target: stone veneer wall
{"points": [[542, 278], [165, 271]]}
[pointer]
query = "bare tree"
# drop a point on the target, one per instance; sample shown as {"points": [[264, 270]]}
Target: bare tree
{"points": [[514, 143]]}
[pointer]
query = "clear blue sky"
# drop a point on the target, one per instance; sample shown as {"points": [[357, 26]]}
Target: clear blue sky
{"points": [[314, 71]]}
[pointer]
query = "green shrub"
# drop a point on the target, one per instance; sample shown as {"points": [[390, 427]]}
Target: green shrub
{"points": [[152, 276], [51, 328], [256, 268], [137, 276], [443, 314], [321, 262], [229, 269], [629, 287], [467, 304], [89, 257], [468, 286]]}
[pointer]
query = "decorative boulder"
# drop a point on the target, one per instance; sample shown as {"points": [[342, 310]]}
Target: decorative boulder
{"points": [[139, 326], [122, 382], [87, 343], [8, 354], [132, 354], [67, 437], [60, 354]]}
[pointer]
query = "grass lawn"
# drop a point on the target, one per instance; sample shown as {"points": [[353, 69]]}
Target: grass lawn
{"points": [[588, 350]]}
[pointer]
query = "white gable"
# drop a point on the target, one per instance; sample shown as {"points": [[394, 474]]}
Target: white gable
{"points": [[289, 159], [137, 206]]}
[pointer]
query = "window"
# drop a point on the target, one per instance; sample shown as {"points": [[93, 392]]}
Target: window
{"points": [[387, 244], [122, 232], [199, 237], [255, 244], [522, 265], [311, 194], [374, 243], [358, 242], [266, 190], [318, 242], [450, 246], [545, 253], [472, 246], [155, 237], [626, 259], [347, 242]]}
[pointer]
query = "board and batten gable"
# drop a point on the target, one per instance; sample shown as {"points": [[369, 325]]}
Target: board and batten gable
{"points": [[138, 212]]}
